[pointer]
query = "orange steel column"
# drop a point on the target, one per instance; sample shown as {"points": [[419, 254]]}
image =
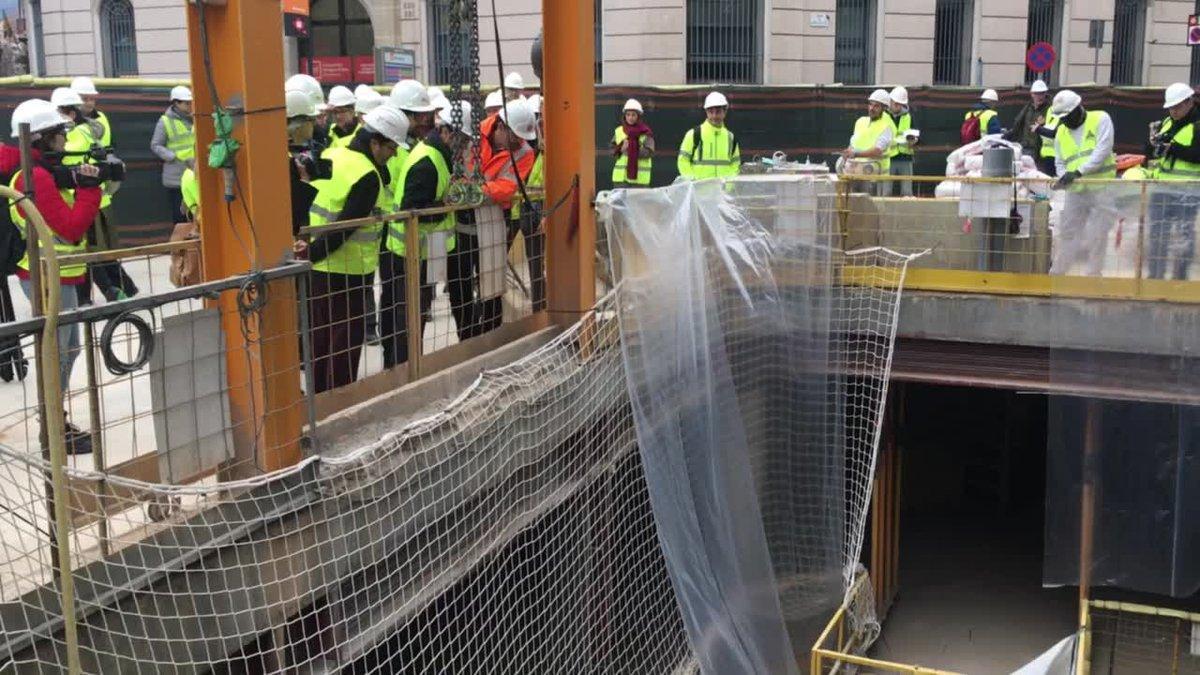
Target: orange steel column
{"points": [[569, 97], [245, 49]]}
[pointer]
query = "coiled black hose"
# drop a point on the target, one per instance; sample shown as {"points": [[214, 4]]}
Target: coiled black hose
{"points": [[145, 336]]}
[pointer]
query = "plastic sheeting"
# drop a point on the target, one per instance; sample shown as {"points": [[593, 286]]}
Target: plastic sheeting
{"points": [[757, 422]]}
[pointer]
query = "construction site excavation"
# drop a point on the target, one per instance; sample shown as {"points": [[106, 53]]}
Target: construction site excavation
{"points": [[514, 336]]}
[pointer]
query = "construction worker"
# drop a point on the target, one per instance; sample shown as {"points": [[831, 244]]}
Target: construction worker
{"points": [[633, 147], [345, 124], [528, 218], [344, 262], [493, 103], [309, 85], [1083, 148], [366, 99], [872, 138], [901, 152], [1027, 128], [710, 150], [185, 263], [87, 91], [982, 120], [514, 86], [424, 180], [175, 144], [1174, 204], [305, 165], [69, 213]]}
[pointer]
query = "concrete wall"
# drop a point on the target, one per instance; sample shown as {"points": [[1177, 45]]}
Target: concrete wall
{"points": [[644, 41]]}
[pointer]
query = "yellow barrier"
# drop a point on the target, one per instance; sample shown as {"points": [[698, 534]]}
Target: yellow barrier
{"points": [[100, 82]]}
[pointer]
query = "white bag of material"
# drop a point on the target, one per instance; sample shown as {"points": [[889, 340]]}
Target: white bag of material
{"points": [[947, 189], [435, 265], [493, 250]]}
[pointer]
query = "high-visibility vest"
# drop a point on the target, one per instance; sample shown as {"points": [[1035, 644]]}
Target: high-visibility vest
{"points": [[1048, 143], [337, 140], [395, 165], [1074, 155], [190, 186], [61, 246], [716, 155], [80, 139], [902, 125], [1136, 173], [985, 118], [866, 137], [359, 254], [536, 180], [180, 138], [644, 161], [395, 237], [1173, 168]]}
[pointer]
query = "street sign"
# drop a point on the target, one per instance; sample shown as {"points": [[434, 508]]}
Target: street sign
{"points": [[1096, 33], [1040, 57], [1193, 34]]}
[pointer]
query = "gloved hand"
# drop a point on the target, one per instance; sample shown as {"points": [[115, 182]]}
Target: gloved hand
{"points": [[1066, 179]]}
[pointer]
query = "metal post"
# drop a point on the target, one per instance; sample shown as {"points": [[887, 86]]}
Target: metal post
{"points": [[412, 297], [93, 394], [1087, 517], [306, 360], [1141, 240]]}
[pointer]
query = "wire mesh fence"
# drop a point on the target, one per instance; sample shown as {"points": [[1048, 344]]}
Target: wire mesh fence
{"points": [[1129, 638]]}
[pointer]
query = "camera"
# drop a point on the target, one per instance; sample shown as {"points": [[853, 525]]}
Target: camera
{"points": [[314, 166], [111, 170]]}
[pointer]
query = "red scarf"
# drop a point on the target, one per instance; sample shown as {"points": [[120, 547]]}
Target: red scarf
{"points": [[633, 146]]}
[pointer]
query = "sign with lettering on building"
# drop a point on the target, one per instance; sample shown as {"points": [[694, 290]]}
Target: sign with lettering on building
{"points": [[329, 69], [393, 64], [364, 70], [819, 20]]}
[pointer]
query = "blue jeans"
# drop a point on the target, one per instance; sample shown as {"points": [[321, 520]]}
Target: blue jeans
{"points": [[1172, 221], [68, 333]]}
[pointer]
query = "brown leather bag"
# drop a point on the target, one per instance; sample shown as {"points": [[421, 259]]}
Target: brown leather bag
{"points": [[185, 262]]}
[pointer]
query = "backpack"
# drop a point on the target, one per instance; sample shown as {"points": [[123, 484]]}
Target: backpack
{"points": [[12, 244], [970, 132]]}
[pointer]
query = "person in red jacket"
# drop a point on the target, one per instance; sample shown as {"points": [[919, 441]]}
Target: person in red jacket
{"points": [[68, 212]]}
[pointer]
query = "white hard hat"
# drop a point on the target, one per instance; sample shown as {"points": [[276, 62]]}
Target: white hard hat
{"points": [[715, 100], [65, 97], [633, 104], [535, 103], [879, 96], [899, 95], [39, 114], [437, 98], [1064, 102], [493, 100], [388, 121], [1038, 87], [181, 93], [299, 104], [989, 95], [518, 117], [366, 99], [411, 96], [307, 84], [341, 97], [84, 86], [446, 115], [1177, 93], [514, 81]]}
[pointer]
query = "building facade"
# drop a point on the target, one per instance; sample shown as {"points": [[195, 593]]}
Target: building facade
{"points": [[916, 42]]}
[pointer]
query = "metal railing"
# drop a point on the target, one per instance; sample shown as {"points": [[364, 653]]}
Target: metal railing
{"points": [[1118, 239]]}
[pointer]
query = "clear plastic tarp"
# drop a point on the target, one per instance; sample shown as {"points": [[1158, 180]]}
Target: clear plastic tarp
{"points": [[756, 355]]}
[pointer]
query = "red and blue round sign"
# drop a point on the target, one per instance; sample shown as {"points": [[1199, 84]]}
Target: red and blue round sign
{"points": [[1040, 57]]}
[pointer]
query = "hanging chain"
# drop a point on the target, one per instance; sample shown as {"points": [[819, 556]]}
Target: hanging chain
{"points": [[456, 70], [476, 94], [469, 190]]}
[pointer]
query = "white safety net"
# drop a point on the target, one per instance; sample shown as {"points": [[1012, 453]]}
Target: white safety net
{"points": [[758, 356]]}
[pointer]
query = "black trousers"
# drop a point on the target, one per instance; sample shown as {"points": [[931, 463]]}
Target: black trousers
{"points": [[474, 316], [336, 313], [109, 276], [535, 247], [175, 199], [393, 308]]}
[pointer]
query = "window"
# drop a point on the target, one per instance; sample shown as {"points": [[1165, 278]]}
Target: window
{"points": [[854, 42], [1044, 25], [451, 54], [598, 24], [338, 28], [952, 41], [723, 42], [1128, 36], [118, 38]]}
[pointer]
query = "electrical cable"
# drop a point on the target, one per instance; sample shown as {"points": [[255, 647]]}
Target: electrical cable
{"points": [[145, 335]]}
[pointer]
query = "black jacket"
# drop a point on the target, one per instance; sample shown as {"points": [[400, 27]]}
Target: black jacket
{"points": [[360, 202], [420, 185]]}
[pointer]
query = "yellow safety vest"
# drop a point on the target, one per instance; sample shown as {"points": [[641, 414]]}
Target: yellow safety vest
{"points": [[190, 187], [180, 138], [80, 139], [644, 161], [902, 125], [337, 140], [395, 165], [61, 246], [1048, 143], [985, 118], [396, 228], [1135, 173], [717, 155], [866, 136], [1074, 155], [1173, 168], [359, 254], [536, 180]]}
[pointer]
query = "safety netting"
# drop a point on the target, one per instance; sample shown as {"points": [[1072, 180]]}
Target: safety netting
{"points": [[757, 354]]}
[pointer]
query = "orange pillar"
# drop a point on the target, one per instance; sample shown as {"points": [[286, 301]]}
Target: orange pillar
{"points": [[568, 104], [245, 51]]}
